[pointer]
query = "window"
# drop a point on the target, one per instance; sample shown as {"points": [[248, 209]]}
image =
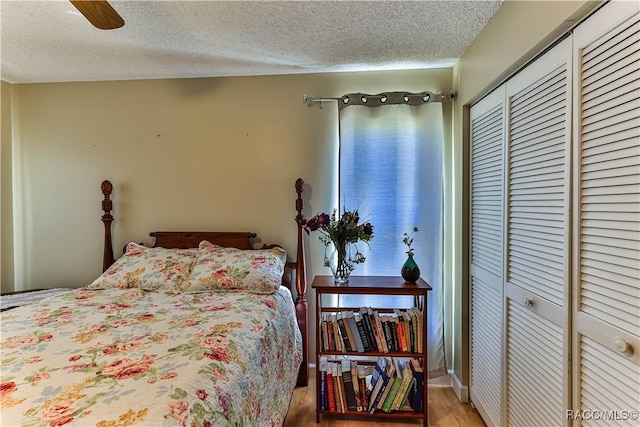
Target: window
{"points": [[391, 171], [391, 166]]}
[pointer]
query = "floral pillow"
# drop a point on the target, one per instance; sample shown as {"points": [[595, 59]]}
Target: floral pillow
{"points": [[149, 269], [219, 269]]}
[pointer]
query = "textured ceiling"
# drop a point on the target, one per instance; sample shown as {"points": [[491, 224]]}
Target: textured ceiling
{"points": [[49, 41]]}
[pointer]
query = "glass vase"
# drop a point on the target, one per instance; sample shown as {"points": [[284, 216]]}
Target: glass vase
{"points": [[339, 261], [410, 271]]}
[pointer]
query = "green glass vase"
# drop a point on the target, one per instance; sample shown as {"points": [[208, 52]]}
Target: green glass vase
{"points": [[410, 271]]}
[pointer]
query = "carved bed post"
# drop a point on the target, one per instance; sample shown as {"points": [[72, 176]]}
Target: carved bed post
{"points": [[107, 206], [301, 286]]}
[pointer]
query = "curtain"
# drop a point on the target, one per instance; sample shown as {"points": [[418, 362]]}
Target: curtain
{"points": [[391, 170]]}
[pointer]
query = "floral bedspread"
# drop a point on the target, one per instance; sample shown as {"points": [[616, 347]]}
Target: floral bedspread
{"points": [[119, 357]]}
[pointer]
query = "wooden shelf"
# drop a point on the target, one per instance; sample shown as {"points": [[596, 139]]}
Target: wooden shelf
{"points": [[371, 285], [377, 414], [369, 354]]}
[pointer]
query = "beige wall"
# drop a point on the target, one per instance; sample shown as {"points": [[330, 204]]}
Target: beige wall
{"points": [[197, 154], [6, 205], [518, 31], [223, 154]]}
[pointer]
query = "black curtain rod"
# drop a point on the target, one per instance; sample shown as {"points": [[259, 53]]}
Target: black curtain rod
{"points": [[387, 98]]}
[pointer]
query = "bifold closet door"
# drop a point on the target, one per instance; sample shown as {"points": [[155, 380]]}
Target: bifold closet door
{"points": [[487, 147], [606, 275], [536, 290]]}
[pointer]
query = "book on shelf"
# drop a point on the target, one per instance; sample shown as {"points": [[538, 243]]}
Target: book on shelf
{"points": [[412, 330], [343, 332], [418, 374], [404, 320], [323, 332], [372, 324], [361, 331], [337, 381], [393, 333], [336, 333], [407, 378], [397, 330], [349, 389], [399, 324], [377, 326], [353, 327], [352, 332], [379, 380], [336, 385], [404, 404], [407, 333], [322, 368], [331, 394], [419, 321], [356, 384], [390, 367], [368, 328], [363, 389], [386, 329], [394, 387], [332, 337], [343, 396]]}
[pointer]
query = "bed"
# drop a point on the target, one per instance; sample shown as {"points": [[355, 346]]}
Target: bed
{"points": [[199, 330]]}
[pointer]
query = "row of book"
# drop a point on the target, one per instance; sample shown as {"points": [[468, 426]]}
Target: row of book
{"points": [[367, 330], [393, 384]]}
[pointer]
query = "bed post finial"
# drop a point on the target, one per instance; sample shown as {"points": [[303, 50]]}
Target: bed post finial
{"points": [[301, 285], [299, 201], [107, 207]]}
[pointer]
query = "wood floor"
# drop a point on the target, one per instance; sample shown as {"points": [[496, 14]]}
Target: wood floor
{"points": [[445, 410]]}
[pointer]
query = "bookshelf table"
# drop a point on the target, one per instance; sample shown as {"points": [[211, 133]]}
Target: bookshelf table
{"points": [[330, 344]]}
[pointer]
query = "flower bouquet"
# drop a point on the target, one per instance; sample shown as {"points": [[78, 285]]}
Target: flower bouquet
{"points": [[340, 235]]}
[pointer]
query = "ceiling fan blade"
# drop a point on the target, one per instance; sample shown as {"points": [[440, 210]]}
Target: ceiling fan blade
{"points": [[99, 13]]}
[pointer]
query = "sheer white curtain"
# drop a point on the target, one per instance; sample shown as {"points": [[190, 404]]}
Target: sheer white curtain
{"points": [[391, 168]]}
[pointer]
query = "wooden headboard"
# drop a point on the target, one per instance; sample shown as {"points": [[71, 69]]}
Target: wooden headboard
{"points": [[295, 271], [191, 239]]}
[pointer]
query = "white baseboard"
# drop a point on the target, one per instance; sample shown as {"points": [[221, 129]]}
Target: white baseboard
{"points": [[441, 381], [461, 391]]}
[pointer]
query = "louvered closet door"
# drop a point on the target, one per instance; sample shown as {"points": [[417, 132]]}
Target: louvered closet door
{"points": [[487, 142], [607, 216], [537, 259]]}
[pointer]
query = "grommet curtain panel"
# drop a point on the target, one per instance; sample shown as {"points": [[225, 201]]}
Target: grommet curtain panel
{"points": [[391, 170]]}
